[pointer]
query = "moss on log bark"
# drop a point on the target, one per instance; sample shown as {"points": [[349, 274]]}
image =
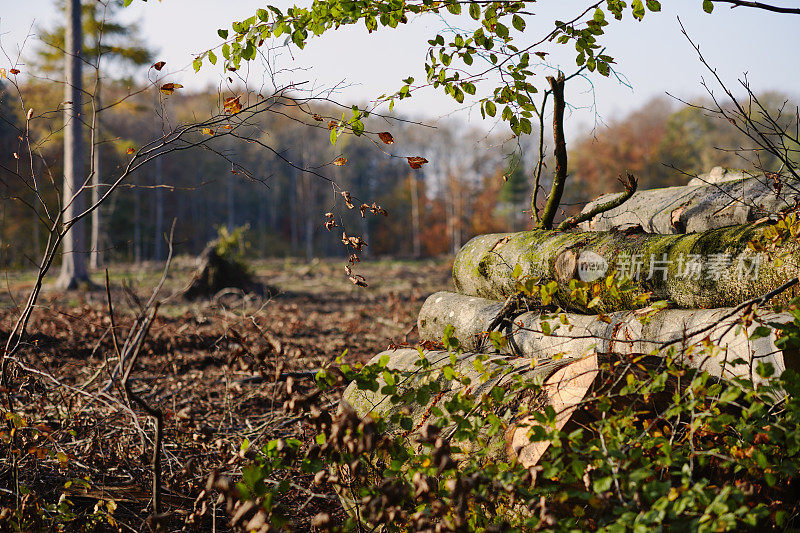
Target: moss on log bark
{"points": [[623, 332], [485, 265], [694, 208]]}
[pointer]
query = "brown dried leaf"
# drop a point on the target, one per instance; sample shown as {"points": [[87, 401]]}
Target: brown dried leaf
{"points": [[131, 150], [347, 199], [340, 161], [169, 88], [416, 162], [14, 71], [208, 131], [386, 137], [233, 105], [158, 66], [359, 280], [317, 117], [332, 124]]}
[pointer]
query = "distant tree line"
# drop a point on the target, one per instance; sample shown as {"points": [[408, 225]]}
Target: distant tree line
{"points": [[474, 183]]}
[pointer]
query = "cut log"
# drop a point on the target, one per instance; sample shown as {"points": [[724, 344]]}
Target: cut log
{"points": [[714, 201], [700, 270], [626, 333], [564, 387], [499, 370]]}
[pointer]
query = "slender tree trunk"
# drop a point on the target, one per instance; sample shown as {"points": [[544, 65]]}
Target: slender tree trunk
{"points": [[415, 237], [95, 256], [560, 178], [137, 222], [293, 209], [230, 204], [158, 249], [73, 264]]}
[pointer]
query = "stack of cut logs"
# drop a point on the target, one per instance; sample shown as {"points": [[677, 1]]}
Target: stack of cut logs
{"points": [[708, 224]]}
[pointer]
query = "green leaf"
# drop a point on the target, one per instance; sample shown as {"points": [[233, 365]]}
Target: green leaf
{"points": [[223, 33], [491, 109], [518, 22], [708, 6], [638, 9], [474, 10]]}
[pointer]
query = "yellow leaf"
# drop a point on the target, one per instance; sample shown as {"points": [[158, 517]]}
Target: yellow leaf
{"points": [[340, 161], [169, 88], [130, 150], [208, 131]]}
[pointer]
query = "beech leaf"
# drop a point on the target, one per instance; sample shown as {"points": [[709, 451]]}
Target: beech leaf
{"points": [[416, 162], [169, 88]]}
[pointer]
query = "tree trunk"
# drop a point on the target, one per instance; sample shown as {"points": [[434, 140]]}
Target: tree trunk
{"points": [[415, 233], [701, 270], [158, 245], [95, 257], [137, 222], [626, 333], [560, 152], [73, 264], [698, 207]]}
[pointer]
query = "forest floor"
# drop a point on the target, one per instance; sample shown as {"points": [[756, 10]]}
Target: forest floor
{"points": [[216, 369]]}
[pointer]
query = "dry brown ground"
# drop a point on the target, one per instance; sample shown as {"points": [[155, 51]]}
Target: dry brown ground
{"points": [[217, 369]]}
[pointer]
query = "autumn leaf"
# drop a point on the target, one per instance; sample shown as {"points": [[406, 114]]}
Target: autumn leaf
{"points": [[317, 117], [233, 105], [358, 279], [130, 150], [14, 71], [208, 131], [340, 161], [332, 124], [416, 162], [386, 137], [3, 73], [348, 200], [158, 66], [169, 88]]}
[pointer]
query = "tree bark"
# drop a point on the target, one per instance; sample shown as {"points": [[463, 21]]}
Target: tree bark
{"points": [[95, 257], [626, 333], [701, 270], [560, 151], [699, 207], [158, 243], [73, 264], [416, 242]]}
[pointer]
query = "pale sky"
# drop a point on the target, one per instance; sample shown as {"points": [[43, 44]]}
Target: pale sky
{"points": [[652, 55]]}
